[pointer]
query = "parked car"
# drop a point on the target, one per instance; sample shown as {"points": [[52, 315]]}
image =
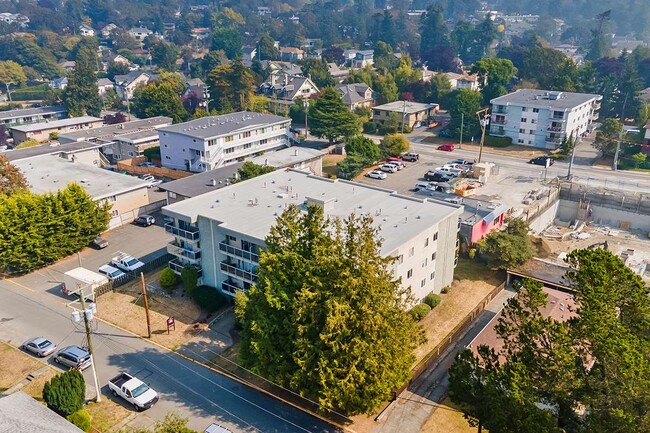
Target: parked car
{"points": [[541, 160], [99, 243], [388, 168], [145, 220], [147, 177], [111, 272], [453, 172], [462, 162], [73, 357], [445, 133], [39, 346], [147, 164], [433, 176], [420, 186], [125, 262], [411, 156], [133, 390], [397, 164], [375, 174], [446, 147], [155, 183], [216, 428]]}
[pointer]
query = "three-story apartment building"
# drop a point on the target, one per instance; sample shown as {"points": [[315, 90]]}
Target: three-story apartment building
{"points": [[211, 142], [541, 118]]}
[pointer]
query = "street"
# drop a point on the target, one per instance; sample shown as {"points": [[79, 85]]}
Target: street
{"points": [[185, 387]]}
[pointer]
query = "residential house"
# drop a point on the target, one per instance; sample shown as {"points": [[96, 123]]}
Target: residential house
{"points": [[68, 65], [42, 131], [222, 233], [291, 54], [411, 114], [24, 116], [281, 68], [59, 83], [298, 158], [127, 195], [10, 18], [211, 142], [285, 90], [356, 95], [123, 140], [646, 137], [125, 85], [250, 52], [108, 56], [263, 11], [107, 30], [311, 44], [139, 33], [542, 118], [86, 30], [339, 75], [200, 33], [359, 59], [21, 413], [479, 218], [462, 81], [196, 86], [104, 85]]}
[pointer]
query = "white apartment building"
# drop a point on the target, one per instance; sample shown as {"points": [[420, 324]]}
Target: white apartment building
{"points": [[542, 118], [222, 232], [211, 142]]}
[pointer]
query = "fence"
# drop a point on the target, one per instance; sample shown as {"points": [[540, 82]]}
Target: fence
{"points": [[131, 167], [636, 202], [149, 266], [534, 211]]}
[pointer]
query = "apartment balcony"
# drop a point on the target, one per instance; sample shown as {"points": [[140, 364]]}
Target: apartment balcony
{"points": [[503, 110], [498, 132], [238, 252], [558, 118], [555, 140], [191, 233], [193, 255], [555, 129], [230, 287], [499, 121], [234, 271], [177, 266]]}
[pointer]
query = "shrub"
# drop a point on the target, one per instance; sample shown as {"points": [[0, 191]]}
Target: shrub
{"points": [[28, 143], [370, 127], [152, 153], [190, 278], [472, 253], [445, 290], [432, 300], [81, 419], [559, 156], [65, 392], [167, 278], [497, 141], [420, 311], [208, 298]]}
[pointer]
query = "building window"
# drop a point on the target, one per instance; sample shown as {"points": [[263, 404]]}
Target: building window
{"points": [[425, 262], [112, 199], [411, 251], [400, 259], [524, 120], [247, 146], [435, 236], [433, 256], [423, 282], [520, 141], [409, 274], [524, 109], [264, 141], [114, 213], [432, 276], [246, 134], [522, 131], [533, 120], [229, 150], [531, 131], [426, 242], [535, 110], [230, 238], [229, 139], [172, 194], [168, 157]]}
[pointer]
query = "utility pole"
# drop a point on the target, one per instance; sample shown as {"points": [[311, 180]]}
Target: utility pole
{"points": [[483, 116], [8, 91], [87, 316], [569, 175], [462, 121], [620, 136], [146, 304], [306, 103], [403, 117]]}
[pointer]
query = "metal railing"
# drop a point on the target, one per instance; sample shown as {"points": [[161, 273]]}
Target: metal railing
{"points": [[230, 288], [554, 129], [177, 250], [238, 252], [191, 233], [497, 121], [234, 271], [503, 110], [177, 266]]}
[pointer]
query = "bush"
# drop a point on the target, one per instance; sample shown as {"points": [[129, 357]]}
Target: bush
{"points": [[559, 156], [152, 153], [445, 290], [168, 278], [497, 141], [472, 253], [208, 298], [190, 278], [420, 311], [65, 392], [432, 300], [352, 166], [370, 127], [81, 419], [28, 143]]}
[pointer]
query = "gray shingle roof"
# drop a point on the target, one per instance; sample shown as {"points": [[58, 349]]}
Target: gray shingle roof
{"points": [[21, 413], [545, 99], [214, 126]]}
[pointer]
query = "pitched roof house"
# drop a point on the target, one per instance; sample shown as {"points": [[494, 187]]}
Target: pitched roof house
{"points": [[285, 89], [356, 95], [125, 84]]}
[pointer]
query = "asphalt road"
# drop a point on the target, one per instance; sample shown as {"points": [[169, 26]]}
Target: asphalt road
{"points": [[185, 387]]}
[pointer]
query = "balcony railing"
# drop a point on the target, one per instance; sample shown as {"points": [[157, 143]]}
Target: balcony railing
{"points": [[192, 233], [230, 288], [188, 253], [558, 118], [238, 252], [554, 129], [497, 110], [498, 121], [177, 266], [231, 270], [498, 132], [554, 140]]}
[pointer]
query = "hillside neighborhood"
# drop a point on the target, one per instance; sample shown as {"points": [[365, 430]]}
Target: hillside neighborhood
{"points": [[365, 216]]}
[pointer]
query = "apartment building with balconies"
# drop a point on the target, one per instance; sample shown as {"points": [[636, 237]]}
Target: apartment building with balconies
{"points": [[222, 233], [542, 118], [212, 142]]}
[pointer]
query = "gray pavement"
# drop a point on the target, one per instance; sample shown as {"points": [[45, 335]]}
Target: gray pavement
{"points": [[416, 404], [185, 387]]}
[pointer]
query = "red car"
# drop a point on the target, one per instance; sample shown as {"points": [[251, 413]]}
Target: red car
{"points": [[446, 147]]}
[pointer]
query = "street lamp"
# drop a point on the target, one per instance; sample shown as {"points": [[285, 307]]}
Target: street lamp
{"points": [[87, 313]]}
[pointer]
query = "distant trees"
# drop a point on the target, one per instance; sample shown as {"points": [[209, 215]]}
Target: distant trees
{"points": [[463, 105], [494, 75], [317, 70], [81, 96], [65, 392], [158, 99], [435, 45], [165, 54], [12, 72], [231, 87], [266, 48], [40, 229], [607, 136], [306, 323], [330, 118]]}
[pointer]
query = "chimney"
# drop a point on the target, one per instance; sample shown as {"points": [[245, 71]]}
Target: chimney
{"points": [[286, 79]]}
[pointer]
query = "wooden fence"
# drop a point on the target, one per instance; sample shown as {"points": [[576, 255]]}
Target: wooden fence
{"points": [[131, 167]]}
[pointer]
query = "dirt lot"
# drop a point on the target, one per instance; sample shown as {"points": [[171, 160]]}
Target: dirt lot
{"points": [[447, 419], [125, 309], [472, 282], [329, 164], [15, 366]]}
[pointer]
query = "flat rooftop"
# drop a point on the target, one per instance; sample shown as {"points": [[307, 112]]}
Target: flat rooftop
{"points": [[108, 132], [251, 207], [48, 149], [214, 126], [42, 126], [545, 99], [49, 173], [543, 270], [287, 157], [26, 112], [405, 107]]}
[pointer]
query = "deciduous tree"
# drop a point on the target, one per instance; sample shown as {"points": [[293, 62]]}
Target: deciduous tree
{"points": [[362, 147], [231, 87], [11, 178], [607, 136], [508, 248], [12, 72], [158, 99], [394, 145]]}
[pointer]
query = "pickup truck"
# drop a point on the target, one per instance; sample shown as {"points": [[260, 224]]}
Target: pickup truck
{"points": [[126, 262], [133, 390]]}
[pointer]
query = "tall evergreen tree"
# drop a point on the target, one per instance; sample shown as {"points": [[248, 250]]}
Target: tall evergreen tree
{"points": [[231, 87], [81, 96], [599, 44], [330, 118], [435, 44], [158, 99], [306, 323], [65, 392]]}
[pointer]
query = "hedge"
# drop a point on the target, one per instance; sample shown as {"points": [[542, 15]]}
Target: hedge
{"points": [[493, 141], [208, 298], [65, 392], [420, 311], [432, 300]]}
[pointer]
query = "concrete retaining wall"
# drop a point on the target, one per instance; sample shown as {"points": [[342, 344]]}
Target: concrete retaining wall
{"points": [[617, 218], [545, 219]]}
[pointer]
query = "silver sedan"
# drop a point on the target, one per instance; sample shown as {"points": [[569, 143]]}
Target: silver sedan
{"points": [[39, 346]]}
